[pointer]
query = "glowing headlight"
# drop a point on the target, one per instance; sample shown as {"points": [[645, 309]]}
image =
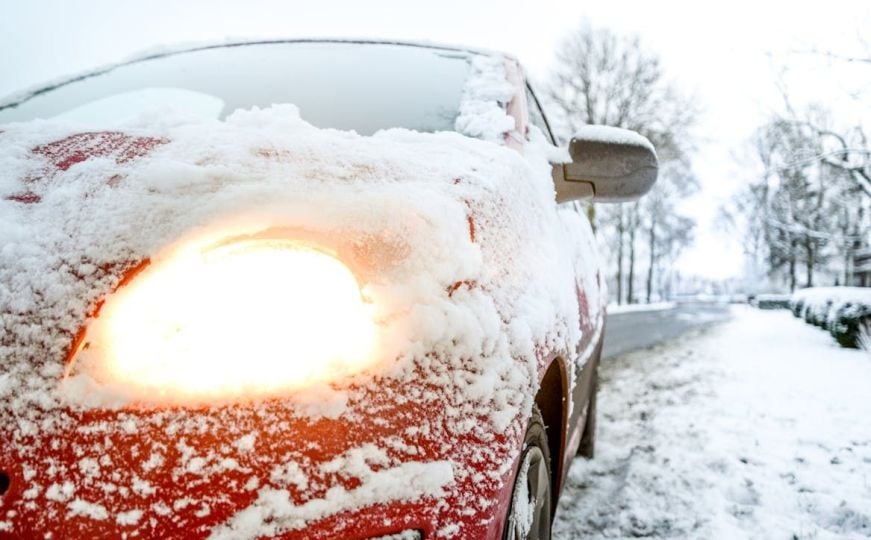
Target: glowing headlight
{"points": [[247, 318]]}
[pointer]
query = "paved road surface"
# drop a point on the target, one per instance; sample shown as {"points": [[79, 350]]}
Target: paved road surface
{"points": [[633, 330]]}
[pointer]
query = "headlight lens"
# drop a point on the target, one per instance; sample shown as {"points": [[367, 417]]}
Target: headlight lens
{"points": [[245, 318]]}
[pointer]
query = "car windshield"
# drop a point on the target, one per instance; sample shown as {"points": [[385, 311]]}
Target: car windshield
{"points": [[363, 87]]}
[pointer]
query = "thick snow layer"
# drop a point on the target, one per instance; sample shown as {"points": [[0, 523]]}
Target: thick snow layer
{"points": [[771, 297], [632, 308], [485, 98], [823, 295], [614, 135], [448, 237], [823, 305], [269, 170], [756, 429], [523, 505]]}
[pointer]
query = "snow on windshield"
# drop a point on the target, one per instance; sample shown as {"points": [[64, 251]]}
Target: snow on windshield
{"points": [[485, 97], [362, 87]]}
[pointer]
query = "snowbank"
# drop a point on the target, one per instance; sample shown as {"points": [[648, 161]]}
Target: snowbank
{"points": [[614, 309], [756, 429]]}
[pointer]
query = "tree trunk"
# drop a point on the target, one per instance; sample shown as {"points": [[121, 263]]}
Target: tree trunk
{"points": [[809, 262], [620, 230], [848, 248], [848, 255], [652, 246], [591, 215], [792, 281], [633, 224]]}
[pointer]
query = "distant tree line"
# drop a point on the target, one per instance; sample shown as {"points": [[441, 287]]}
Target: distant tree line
{"points": [[808, 212]]}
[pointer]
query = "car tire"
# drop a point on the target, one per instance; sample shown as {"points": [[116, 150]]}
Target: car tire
{"points": [[587, 448], [531, 511]]}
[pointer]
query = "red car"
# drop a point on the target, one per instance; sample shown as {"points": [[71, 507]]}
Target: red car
{"points": [[374, 313]]}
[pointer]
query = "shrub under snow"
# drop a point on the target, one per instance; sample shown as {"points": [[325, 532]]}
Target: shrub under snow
{"points": [[844, 311], [771, 301]]}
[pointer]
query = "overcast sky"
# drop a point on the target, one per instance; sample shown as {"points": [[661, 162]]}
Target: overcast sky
{"points": [[727, 53]]}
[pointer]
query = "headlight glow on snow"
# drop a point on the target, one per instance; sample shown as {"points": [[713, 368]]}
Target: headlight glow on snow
{"points": [[245, 318]]}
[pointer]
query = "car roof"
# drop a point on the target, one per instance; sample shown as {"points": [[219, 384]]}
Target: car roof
{"points": [[150, 54]]}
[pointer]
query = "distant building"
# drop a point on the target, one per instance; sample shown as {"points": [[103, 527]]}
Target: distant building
{"points": [[862, 268]]}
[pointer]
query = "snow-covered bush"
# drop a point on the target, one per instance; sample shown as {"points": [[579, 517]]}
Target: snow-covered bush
{"points": [[848, 322], [796, 306], [771, 301], [865, 335], [819, 313], [844, 311]]}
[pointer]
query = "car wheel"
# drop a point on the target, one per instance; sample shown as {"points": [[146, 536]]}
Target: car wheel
{"points": [[529, 517], [587, 448]]}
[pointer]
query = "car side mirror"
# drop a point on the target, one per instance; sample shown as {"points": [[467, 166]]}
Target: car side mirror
{"points": [[608, 165]]}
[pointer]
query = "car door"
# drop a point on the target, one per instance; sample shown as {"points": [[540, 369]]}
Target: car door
{"points": [[588, 290]]}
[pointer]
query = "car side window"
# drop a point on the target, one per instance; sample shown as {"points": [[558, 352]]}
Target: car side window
{"points": [[536, 115]]}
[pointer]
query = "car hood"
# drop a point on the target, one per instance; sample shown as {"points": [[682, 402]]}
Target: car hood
{"points": [[447, 234]]}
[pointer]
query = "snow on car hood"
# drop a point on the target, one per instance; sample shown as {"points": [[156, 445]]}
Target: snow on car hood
{"points": [[457, 229], [463, 254]]}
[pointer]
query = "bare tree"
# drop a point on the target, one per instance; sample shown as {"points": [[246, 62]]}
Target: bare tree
{"points": [[846, 148], [621, 230], [605, 78], [808, 212], [668, 232], [610, 79], [803, 212], [633, 228]]}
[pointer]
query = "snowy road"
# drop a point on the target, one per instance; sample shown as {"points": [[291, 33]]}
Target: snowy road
{"points": [[755, 428], [633, 330]]}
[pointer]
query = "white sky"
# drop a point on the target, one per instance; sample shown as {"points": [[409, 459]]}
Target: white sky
{"points": [[725, 52]]}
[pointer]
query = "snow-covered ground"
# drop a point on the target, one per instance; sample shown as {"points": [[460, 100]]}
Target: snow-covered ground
{"points": [[757, 428], [631, 308]]}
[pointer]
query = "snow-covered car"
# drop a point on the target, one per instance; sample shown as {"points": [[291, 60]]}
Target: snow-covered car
{"points": [[298, 289]]}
